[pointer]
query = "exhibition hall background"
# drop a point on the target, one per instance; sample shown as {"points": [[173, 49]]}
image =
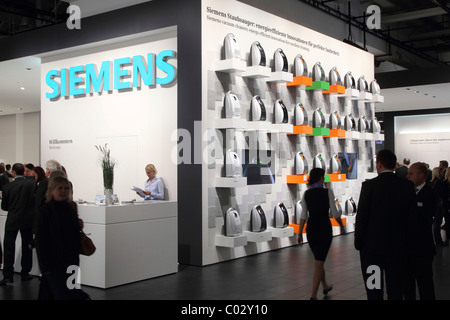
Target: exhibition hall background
{"points": [[22, 141]]}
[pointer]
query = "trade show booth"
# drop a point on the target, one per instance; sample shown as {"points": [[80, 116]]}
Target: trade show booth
{"points": [[232, 104]]}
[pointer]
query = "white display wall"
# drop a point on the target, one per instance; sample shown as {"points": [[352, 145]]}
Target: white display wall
{"points": [[248, 24], [137, 124], [424, 138], [20, 138]]}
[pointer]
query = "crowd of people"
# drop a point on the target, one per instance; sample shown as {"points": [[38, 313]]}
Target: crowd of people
{"points": [[40, 206], [398, 225]]}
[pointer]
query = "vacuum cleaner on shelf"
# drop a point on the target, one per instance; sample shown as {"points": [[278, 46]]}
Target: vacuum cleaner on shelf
{"points": [[300, 66], [300, 115], [258, 221], [231, 47], [233, 165], [280, 216], [257, 55], [232, 105], [233, 224], [280, 61], [258, 109]]}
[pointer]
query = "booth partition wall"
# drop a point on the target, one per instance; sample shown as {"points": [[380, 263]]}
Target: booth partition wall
{"points": [[233, 104]]}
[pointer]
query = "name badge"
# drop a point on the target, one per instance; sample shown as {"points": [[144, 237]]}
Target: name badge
{"points": [[420, 204]]}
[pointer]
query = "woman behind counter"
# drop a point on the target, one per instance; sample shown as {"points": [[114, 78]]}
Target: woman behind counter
{"points": [[154, 187]]}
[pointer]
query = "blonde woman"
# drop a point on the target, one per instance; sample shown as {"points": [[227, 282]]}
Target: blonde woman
{"points": [[154, 187], [58, 242]]}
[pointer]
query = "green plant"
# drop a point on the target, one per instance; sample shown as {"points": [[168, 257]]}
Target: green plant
{"points": [[108, 165]]}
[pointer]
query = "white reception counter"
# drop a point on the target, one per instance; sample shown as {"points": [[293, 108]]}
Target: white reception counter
{"points": [[134, 242]]}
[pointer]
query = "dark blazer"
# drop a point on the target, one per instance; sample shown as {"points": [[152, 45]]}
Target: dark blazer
{"points": [[18, 200], [58, 242], [402, 171], [4, 180], [427, 200], [386, 213]]}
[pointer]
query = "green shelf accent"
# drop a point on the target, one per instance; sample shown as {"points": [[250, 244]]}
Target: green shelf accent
{"points": [[320, 132], [327, 178], [319, 85]]}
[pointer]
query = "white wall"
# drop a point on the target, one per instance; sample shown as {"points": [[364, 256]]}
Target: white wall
{"points": [[315, 47], [137, 124], [424, 138], [19, 136]]}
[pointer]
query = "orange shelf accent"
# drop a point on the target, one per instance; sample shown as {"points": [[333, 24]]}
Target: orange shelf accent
{"points": [[302, 130], [335, 224], [336, 133], [297, 227], [297, 178], [335, 177], [298, 81], [333, 221], [335, 88]]}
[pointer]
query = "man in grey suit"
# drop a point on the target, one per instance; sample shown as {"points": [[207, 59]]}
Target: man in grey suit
{"points": [[18, 201], [385, 221]]}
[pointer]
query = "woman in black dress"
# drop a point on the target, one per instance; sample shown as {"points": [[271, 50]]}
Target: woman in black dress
{"points": [[317, 203]]}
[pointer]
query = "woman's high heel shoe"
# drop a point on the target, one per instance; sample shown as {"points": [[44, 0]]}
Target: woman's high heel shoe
{"points": [[325, 291]]}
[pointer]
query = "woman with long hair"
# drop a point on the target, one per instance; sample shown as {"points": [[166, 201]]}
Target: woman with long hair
{"points": [[58, 241], [317, 203]]}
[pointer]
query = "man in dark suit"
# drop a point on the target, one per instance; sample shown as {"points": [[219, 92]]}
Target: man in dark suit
{"points": [[4, 179], [420, 259], [402, 171], [386, 211], [18, 201]]}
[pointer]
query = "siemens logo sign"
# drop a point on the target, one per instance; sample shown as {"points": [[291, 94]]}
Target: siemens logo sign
{"points": [[122, 73]]}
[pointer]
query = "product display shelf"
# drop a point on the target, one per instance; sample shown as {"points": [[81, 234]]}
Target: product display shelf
{"points": [[282, 128], [262, 236], [230, 66], [336, 133], [350, 93], [257, 72], [280, 77], [301, 81], [378, 136], [319, 85], [377, 98], [303, 129], [335, 89], [353, 135], [297, 178], [333, 221], [365, 96], [282, 232], [296, 228], [320, 131], [230, 123], [258, 126], [367, 136], [231, 242], [335, 177]]}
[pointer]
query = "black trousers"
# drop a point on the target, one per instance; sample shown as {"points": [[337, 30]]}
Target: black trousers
{"points": [[380, 271], [9, 246], [419, 271]]}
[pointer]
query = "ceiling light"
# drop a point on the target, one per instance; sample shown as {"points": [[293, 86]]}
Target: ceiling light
{"points": [[22, 88]]}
